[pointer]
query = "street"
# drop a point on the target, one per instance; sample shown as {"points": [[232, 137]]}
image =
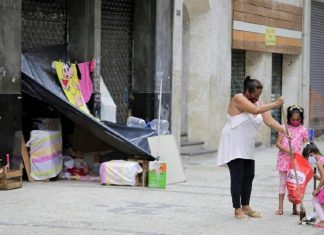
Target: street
{"points": [[84, 82], [201, 205]]}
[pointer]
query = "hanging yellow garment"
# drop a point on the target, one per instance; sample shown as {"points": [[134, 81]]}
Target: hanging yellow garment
{"points": [[68, 77]]}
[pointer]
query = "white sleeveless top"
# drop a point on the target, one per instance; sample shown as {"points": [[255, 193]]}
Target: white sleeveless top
{"points": [[238, 137]]}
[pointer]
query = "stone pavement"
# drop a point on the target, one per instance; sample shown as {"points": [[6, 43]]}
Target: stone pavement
{"points": [[201, 205]]}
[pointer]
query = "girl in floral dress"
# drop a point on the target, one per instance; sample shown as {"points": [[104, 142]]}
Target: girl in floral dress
{"points": [[299, 135]]}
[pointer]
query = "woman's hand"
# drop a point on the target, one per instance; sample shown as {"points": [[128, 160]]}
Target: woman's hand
{"points": [[315, 192], [288, 137], [316, 177], [280, 101]]}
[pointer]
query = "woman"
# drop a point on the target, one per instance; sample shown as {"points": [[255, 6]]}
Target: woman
{"points": [[245, 115]]}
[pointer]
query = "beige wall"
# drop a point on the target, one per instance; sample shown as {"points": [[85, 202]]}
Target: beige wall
{"points": [[200, 74], [292, 80], [259, 66], [306, 59], [220, 83], [176, 72], [209, 69]]}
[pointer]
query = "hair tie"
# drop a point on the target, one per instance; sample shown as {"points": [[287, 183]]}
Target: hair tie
{"points": [[291, 108]]}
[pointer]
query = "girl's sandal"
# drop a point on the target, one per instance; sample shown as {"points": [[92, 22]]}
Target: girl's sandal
{"points": [[279, 212], [253, 214], [319, 225]]}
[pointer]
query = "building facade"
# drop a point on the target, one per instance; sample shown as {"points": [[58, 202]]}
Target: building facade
{"points": [[131, 42], [201, 50], [277, 42]]}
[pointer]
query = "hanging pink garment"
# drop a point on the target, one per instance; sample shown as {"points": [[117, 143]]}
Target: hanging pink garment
{"points": [[93, 65], [85, 82]]}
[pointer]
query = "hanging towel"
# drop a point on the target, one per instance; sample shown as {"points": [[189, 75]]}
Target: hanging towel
{"points": [[85, 82], [68, 77]]}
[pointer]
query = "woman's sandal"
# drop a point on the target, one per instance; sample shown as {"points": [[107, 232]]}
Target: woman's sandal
{"points": [[240, 216], [279, 212], [253, 214]]}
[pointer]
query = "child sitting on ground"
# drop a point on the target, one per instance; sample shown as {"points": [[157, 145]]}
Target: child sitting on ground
{"points": [[299, 135], [312, 153]]}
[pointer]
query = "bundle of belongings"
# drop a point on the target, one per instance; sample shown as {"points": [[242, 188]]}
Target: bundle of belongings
{"points": [[69, 88], [77, 168], [49, 160], [46, 149], [45, 154], [119, 172]]}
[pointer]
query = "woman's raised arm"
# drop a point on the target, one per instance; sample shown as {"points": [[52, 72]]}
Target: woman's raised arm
{"points": [[272, 123], [243, 104]]}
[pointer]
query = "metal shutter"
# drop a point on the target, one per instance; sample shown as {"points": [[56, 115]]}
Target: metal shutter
{"points": [[276, 89], [44, 23], [317, 67], [238, 71], [116, 51]]}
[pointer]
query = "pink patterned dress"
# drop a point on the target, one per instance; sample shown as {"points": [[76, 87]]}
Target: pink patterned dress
{"points": [[299, 135]]}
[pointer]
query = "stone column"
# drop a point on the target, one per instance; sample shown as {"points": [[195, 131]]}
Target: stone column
{"points": [[152, 58], [163, 58], [220, 82], [306, 59], [10, 46], [292, 80], [200, 68], [199, 77], [259, 66], [84, 30], [143, 79], [176, 70], [10, 77]]}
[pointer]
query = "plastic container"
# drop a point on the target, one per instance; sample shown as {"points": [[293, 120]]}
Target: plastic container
{"points": [[311, 134], [135, 122], [164, 126]]}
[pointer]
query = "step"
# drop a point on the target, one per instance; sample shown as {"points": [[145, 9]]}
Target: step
{"points": [[196, 150], [184, 134], [184, 138], [258, 144], [188, 148], [191, 143]]}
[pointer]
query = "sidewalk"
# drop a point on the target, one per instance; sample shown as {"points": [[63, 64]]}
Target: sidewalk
{"points": [[264, 198], [202, 205]]}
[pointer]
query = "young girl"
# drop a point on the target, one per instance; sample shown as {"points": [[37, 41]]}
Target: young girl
{"points": [[315, 158], [299, 135]]}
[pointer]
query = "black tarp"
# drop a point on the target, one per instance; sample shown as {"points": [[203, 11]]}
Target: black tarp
{"points": [[40, 81]]}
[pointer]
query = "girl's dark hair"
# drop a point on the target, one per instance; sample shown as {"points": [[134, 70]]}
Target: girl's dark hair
{"points": [[251, 84], [295, 109], [310, 148]]}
